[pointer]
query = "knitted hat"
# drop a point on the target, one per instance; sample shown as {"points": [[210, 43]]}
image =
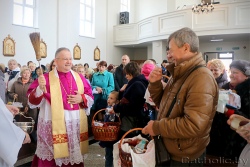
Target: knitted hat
{"points": [[146, 69], [241, 65]]}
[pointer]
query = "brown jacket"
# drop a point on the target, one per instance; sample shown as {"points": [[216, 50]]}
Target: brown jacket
{"points": [[186, 131]]}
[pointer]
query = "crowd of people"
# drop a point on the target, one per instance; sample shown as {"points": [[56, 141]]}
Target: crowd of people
{"points": [[181, 98]]}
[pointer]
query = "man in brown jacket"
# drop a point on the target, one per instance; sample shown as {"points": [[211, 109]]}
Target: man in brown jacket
{"points": [[186, 131]]}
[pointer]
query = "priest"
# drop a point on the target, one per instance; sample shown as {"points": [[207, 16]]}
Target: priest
{"points": [[65, 98]]}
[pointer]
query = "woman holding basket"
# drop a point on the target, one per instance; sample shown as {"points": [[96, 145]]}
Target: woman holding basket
{"points": [[131, 101], [131, 105]]}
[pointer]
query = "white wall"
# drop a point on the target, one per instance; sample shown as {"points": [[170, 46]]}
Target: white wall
{"points": [[113, 53], [147, 8], [140, 54], [180, 3], [68, 30]]}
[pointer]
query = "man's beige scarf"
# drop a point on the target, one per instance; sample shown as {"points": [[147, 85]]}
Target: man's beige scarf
{"points": [[60, 136]]}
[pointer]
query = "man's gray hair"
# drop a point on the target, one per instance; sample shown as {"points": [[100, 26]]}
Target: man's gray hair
{"points": [[60, 49], [185, 35]]}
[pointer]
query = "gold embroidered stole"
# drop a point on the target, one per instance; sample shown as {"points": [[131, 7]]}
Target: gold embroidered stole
{"points": [[59, 132]]}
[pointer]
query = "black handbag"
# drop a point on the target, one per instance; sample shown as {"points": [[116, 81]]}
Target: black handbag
{"points": [[100, 101], [162, 156]]}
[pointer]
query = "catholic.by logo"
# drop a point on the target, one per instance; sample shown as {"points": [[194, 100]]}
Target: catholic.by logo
{"points": [[218, 160]]}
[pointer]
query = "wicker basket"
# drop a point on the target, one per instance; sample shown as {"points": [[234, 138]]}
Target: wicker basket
{"points": [[126, 159], [106, 133]]}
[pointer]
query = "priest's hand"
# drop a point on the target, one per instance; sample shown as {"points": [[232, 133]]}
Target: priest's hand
{"points": [[14, 110], [75, 99], [42, 83], [27, 138], [149, 129]]}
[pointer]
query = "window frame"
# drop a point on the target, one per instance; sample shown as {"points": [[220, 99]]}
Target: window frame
{"points": [[24, 5], [85, 21]]}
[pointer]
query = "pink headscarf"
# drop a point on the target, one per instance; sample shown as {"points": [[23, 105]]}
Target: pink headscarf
{"points": [[146, 69]]}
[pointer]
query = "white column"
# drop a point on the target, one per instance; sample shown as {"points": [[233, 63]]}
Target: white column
{"points": [[159, 51]]}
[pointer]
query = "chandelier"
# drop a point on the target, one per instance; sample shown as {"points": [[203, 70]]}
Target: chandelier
{"points": [[203, 7]]}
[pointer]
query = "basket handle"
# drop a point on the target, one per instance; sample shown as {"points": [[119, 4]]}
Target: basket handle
{"points": [[96, 114], [14, 99], [100, 111], [131, 130]]}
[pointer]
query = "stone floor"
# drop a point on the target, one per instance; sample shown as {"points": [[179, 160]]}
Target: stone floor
{"points": [[94, 158]]}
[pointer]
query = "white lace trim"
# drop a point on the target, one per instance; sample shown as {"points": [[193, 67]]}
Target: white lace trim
{"points": [[45, 147], [90, 102]]}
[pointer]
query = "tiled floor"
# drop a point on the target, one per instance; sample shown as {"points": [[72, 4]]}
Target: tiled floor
{"points": [[94, 158]]}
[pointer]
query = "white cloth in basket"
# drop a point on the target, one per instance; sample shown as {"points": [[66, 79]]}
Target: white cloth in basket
{"points": [[146, 159], [227, 97]]}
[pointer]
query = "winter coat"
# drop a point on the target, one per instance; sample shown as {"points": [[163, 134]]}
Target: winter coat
{"points": [[21, 89], [243, 90], [131, 102], [186, 131], [227, 142], [222, 80], [119, 78], [103, 80]]}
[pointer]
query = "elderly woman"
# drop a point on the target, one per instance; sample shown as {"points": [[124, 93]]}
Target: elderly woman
{"points": [[217, 67], [32, 67], [12, 74], [227, 142], [19, 89]]}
